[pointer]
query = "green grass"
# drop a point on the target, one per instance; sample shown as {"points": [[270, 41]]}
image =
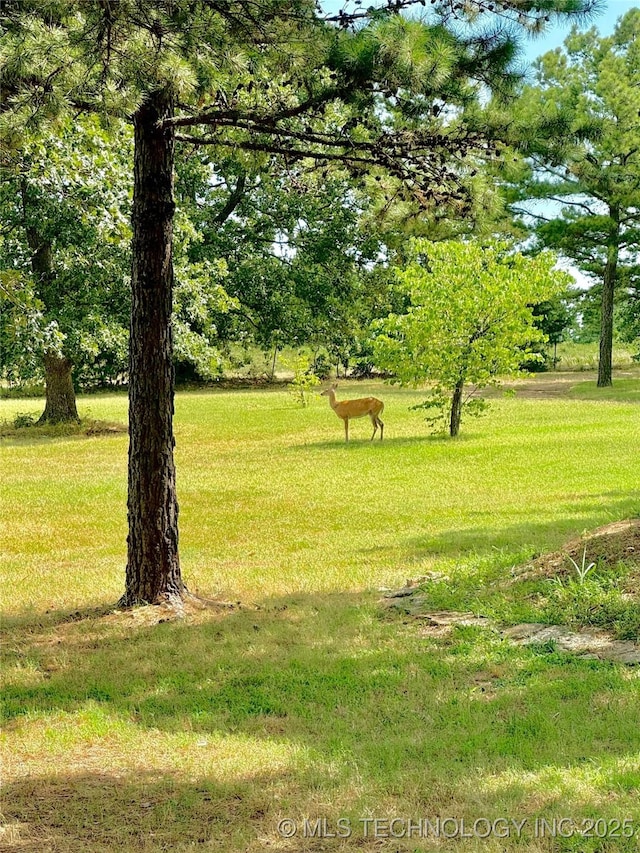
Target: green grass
{"points": [[309, 700], [484, 585], [574, 356], [622, 389]]}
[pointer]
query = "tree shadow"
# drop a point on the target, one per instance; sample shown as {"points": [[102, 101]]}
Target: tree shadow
{"points": [[365, 441], [107, 811], [34, 621], [34, 436], [488, 535], [367, 709]]}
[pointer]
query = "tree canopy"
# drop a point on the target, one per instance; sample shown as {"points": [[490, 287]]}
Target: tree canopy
{"points": [[66, 209]]}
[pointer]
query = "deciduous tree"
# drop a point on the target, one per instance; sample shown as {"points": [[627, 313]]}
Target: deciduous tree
{"points": [[66, 208], [470, 320]]}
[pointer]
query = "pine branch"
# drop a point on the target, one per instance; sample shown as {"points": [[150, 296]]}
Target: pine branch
{"points": [[524, 212], [532, 14], [229, 116], [565, 201]]}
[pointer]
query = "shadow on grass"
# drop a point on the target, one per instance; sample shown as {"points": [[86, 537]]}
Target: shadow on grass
{"points": [[365, 441], [623, 390], [488, 535], [11, 436], [102, 811], [378, 715], [34, 621]]}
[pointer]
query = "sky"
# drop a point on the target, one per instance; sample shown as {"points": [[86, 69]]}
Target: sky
{"points": [[604, 22]]}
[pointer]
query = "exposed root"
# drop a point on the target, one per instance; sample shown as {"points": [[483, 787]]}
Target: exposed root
{"points": [[171, 607]]}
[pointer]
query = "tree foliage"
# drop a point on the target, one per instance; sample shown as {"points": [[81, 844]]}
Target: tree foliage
{"points": [[578, 125], [66, 235], [301, 262], [470, 320]]}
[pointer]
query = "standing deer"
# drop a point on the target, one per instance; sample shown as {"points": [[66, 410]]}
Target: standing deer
{"points": [[356, 409]]}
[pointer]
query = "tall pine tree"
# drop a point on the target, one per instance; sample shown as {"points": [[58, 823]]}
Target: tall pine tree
{"points": [[580, 131]]}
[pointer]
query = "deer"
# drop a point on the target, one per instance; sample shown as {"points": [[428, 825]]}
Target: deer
{"points": [[347, 409]]}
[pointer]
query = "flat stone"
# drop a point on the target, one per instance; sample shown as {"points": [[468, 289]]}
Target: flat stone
{"points": [[410, 605], [523, 631], [429, 577], [584, 643], [405, 592], [448, 617], [587, 644], [413, 584]]}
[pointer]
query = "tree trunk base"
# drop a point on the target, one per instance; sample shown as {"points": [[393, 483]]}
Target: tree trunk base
{"points": [[60, 406], [171, 600], [48, 418], [169, 607]]}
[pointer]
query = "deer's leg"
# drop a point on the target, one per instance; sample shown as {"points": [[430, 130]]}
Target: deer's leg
{"points": [[374, 421], [346, 429], [381, 425]]}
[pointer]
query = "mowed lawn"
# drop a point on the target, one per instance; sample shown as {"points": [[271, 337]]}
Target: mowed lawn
{"points": [[307, 701]]}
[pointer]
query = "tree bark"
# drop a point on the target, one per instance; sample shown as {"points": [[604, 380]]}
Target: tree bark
{"points": [[60, 405], [605, 363], [456, 409], [153, 566]]}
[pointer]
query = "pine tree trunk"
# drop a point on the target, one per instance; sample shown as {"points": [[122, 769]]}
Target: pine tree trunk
{"points": [[456, 409], [605, 363], [153, 566], [60, 402]]}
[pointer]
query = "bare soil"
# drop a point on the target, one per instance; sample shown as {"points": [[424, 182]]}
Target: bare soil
{"points": [[606, 545], [552, 384]]}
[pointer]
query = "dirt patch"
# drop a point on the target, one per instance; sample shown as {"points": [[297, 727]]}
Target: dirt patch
{"points": [[550, 385], [547, 384], [607, 545], [104, 428], [171, 610], [87, 627]]}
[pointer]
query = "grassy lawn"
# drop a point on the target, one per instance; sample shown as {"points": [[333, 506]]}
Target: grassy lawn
{"points": [[308, 701]]}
